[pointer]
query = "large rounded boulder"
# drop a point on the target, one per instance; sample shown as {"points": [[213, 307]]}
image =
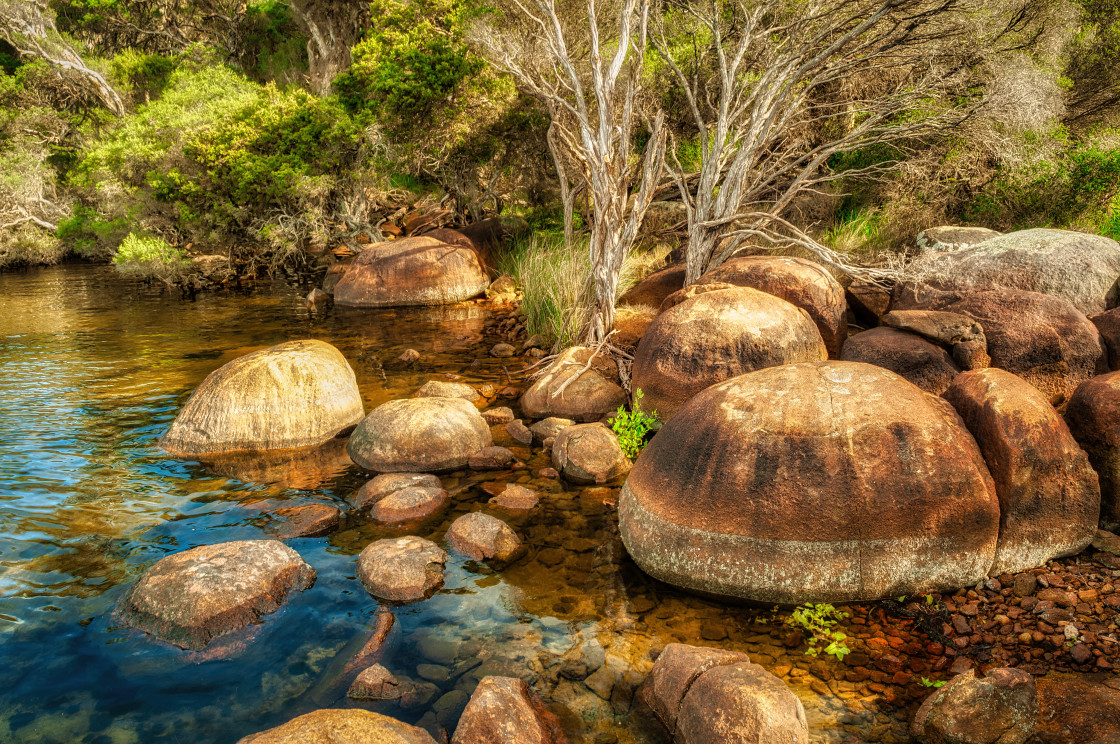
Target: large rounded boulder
{"points": [[419, 435], [579, 385], [1043, 339], [797, 281], [350, 726], [1093, 415], [715, 336], [412, 271], [1048, 494], [295, 394], [652, 291], [840, 467], [906, 354], [1081, 269], [191, 598]]}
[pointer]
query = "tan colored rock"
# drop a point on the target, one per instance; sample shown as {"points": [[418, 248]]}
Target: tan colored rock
{"points": [[589, 453], [841, 466], [497, 416], [715, 336], [741, 703], [906, 354], [375, 682], [1108, 324], [308, 520], [482, 537], [295, 394], [419, 434], [630, 324], [867, 301], [941, 328], [692, 290], [798, 281], [1093, 416], [412, 504], [548, 428], [571, 389], [491, 458], [504, 710], [1000, 708], [402, 569], [678, 666], [516, 498], [1041, 338], [439, 389], [191, 598], [949, 238], [652, 291], [351, 726], [519, 432], [382, 485], [1048, 495], [412, 271], [1075, 709]]}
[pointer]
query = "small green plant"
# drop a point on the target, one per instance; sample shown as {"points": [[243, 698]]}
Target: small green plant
{"points": [[150, 257], [934, 683], [633, 426], [820, 621]]}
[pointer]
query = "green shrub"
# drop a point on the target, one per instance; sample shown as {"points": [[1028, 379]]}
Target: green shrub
{"points": [[142, 76], [820, 621], [90, 235], [632, 427], [149, 257]]}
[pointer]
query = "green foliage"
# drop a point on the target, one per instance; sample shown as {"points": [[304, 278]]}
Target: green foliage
{"points": [[414, 57], [633, 426], [90, 234], [142, 76], [275, 47], [820, 621], [150, 257], [927, 682]]}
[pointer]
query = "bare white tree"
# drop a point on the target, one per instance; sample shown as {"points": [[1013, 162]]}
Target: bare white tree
{"points": [[768, 87], [28, 25], [590, 78]]}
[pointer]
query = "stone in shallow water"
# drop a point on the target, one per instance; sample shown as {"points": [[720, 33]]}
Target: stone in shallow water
{"points": [[295, 394], [501, 415], [439, 389], [548, 428], [483, 537], [589, 453], [309, 520], [411, 271], [516, 498], [491, 458], [342, 727], [504, 710], [1000, 708], [193, 597], [410, 504], [419, 435], [375, 682], [572, 389], [378, 488], [403, 569]]}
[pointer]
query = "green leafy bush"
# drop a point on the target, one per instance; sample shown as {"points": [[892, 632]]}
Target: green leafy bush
{"points": [[820, 621], [150, 257], [632, 427]]}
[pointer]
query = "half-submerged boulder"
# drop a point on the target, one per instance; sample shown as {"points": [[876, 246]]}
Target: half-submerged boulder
{"points": [[928, 366], [403, 569], [1093, 416], [589, 453], [482, 537], [412, 271], [350, 726], [1048, 494], [505, 710], [578, 385], [796, 280], [295, 394], [1081, 269], [844, 467], [999, 708], [715, 336], [191, 598], [419, 435]]}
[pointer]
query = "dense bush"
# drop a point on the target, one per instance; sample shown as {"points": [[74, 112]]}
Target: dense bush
{"points": [[152, 258]]}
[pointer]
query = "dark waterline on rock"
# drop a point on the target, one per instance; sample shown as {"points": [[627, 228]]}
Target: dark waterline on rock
{"points": [[95, 369]]}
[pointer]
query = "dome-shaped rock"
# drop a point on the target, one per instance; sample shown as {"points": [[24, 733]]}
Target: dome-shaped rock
{"points": [[1048, 495], [652, 291], [402, 569], [1043, 339], [592, 394], [411, 504], [589, 453], [295, 394], [999, 708], [715, 336], [842, 468], [381, 486], [505, 710], [928, 366], [191, 598], [1081, 269], [351, 726], [741, 703], [412, 271], [439, 389], [419, 434], [692, 290], [1093, 415], [797, 281], [483, 537]]}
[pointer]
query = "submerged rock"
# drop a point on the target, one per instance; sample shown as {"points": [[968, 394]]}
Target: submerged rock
{"points": [[800, 282], [295, 394], [412, 504], [191, 598], [438, 389], [715, 336], [309, 520], [375, 682], [381, 486], [1000, 708], [482, 537], [504, 710], [1093, 415], [906, 354], [419, 434], [740, 703], [589, 453], [491, 458], [1048, 495], [577, 385], [402, 569], [412, 271], [516, 498], [678, 666], [351, 726], [841, 466]]}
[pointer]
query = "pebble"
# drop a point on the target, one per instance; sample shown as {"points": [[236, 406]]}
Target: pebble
{"points": [[496, 416], [502, 350]]}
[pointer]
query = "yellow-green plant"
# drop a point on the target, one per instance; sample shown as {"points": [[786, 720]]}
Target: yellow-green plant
{"points": [[633, 426], [820, 621]]}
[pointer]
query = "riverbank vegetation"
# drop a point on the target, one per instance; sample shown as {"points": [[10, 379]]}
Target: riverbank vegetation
{"points": [[273, 131]]}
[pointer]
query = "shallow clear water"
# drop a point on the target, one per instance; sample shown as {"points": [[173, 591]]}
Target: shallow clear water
{"points": [[94, 368]]}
